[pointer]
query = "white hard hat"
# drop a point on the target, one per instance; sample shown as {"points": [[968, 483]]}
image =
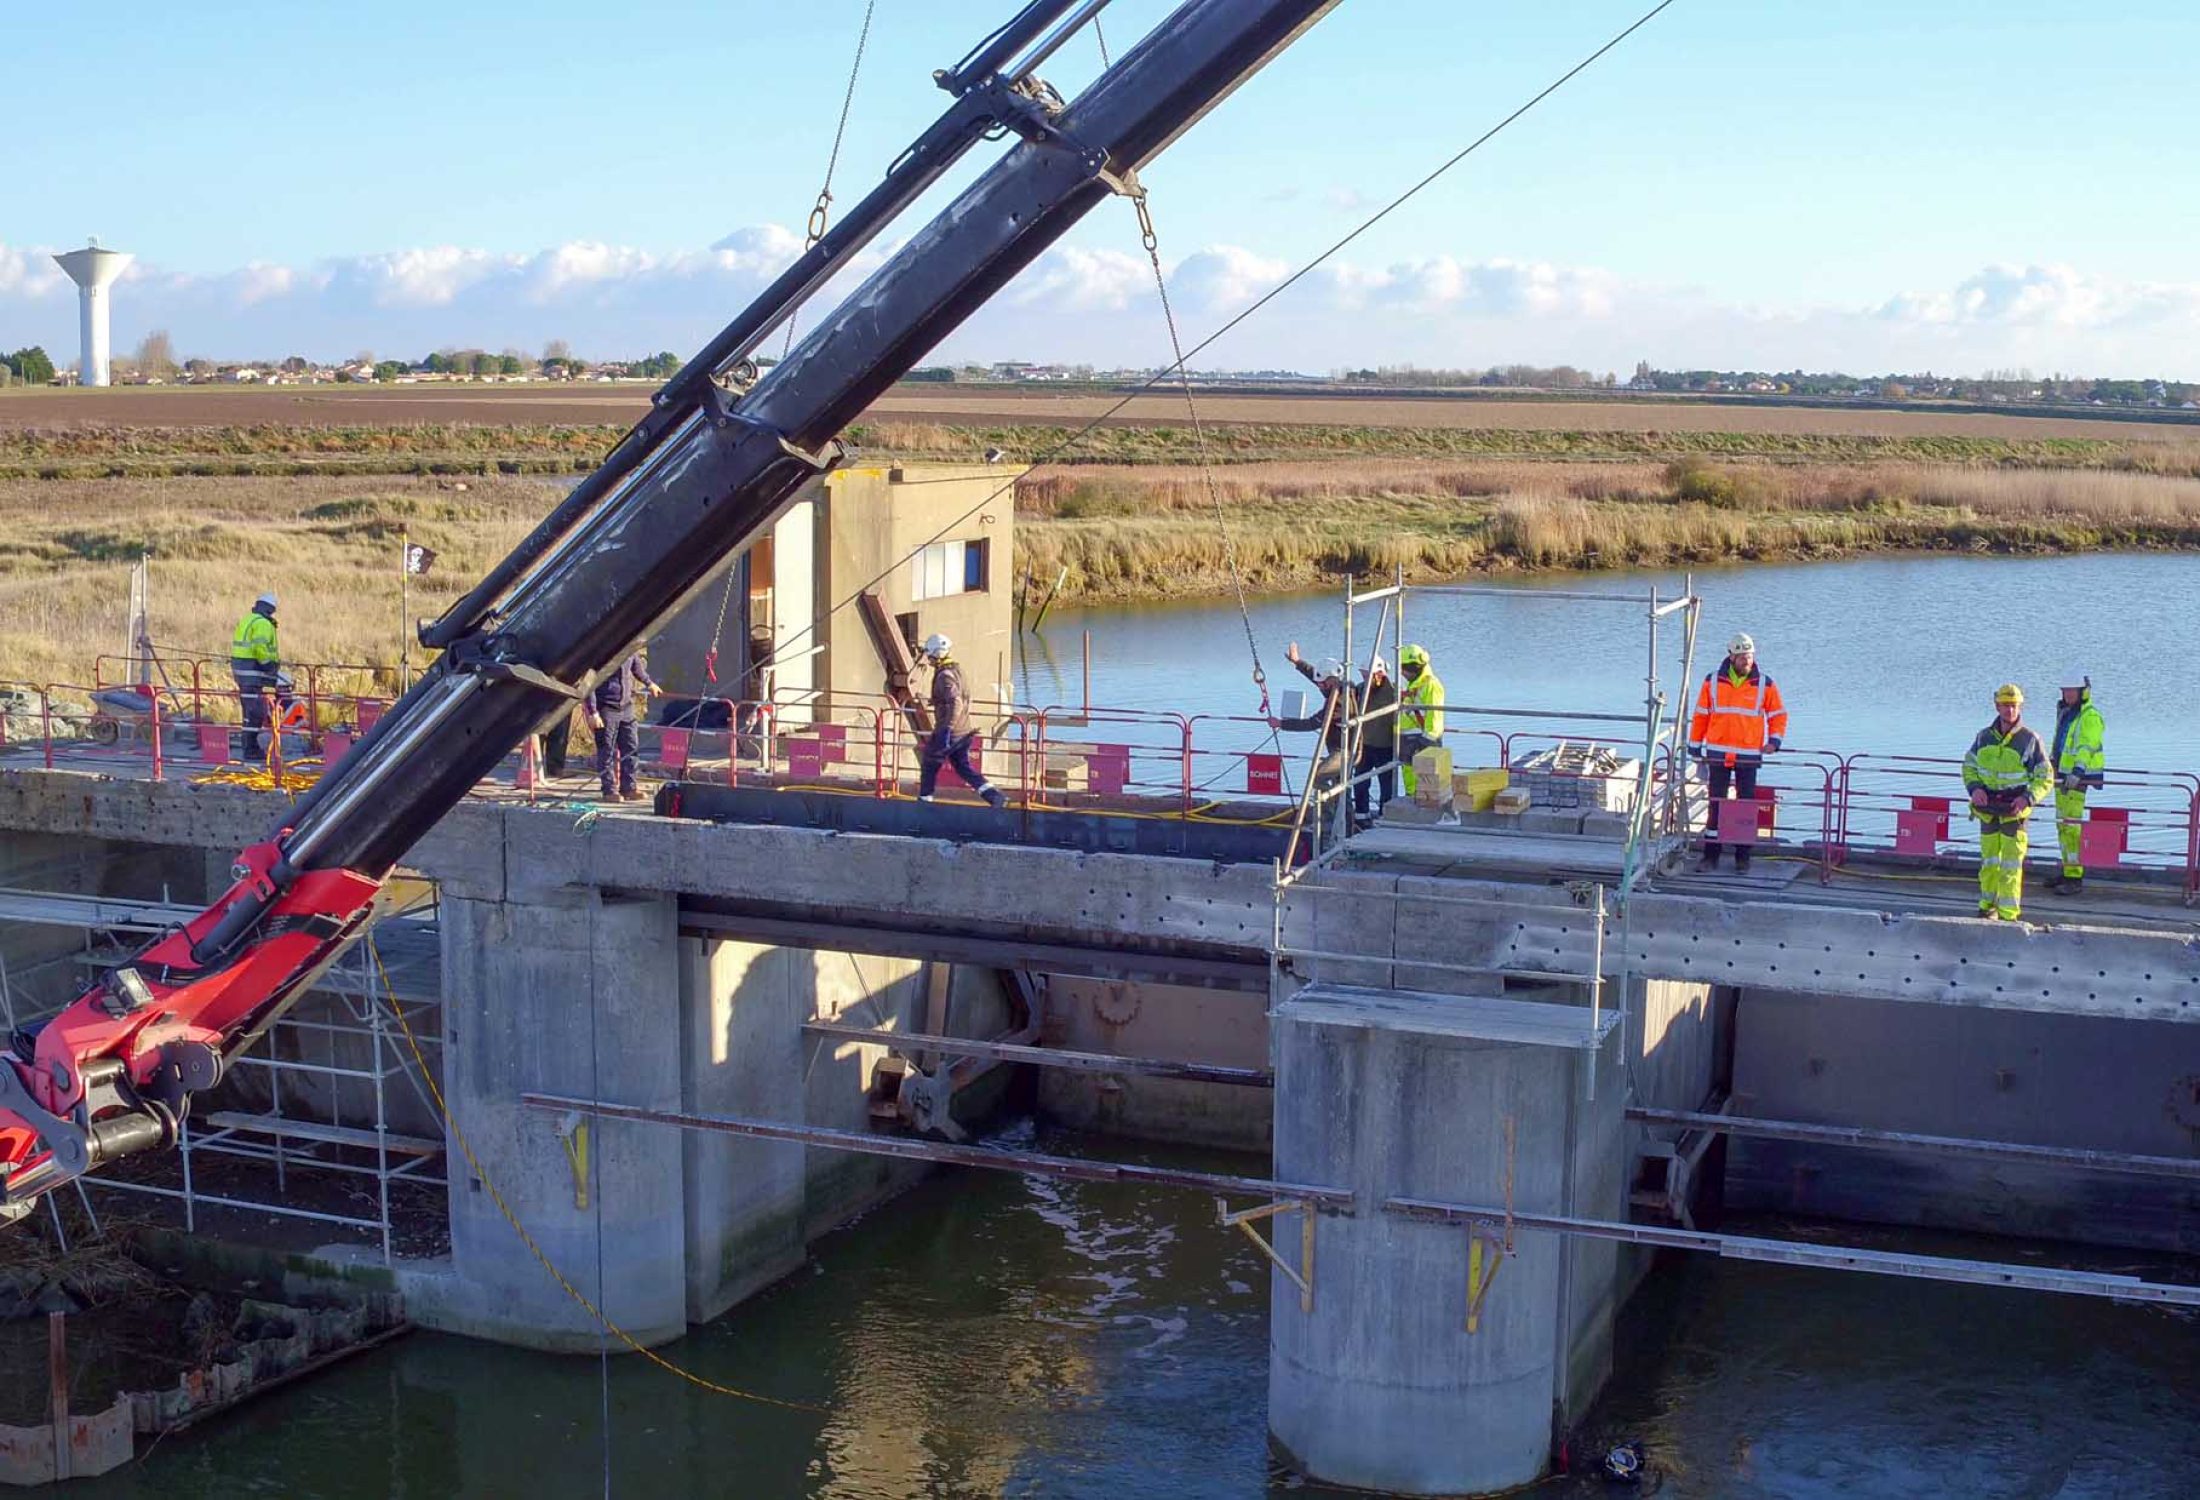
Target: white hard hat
{"points": [[1377, 665], [267, 599], [1330, 669], [1741, 643], [937, 645]]}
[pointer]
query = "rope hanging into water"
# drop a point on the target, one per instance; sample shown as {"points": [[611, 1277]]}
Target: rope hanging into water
{"points": [[473, 1163]]}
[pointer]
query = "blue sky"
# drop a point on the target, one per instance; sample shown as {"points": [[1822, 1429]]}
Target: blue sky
{"points": [[1870, 184]]}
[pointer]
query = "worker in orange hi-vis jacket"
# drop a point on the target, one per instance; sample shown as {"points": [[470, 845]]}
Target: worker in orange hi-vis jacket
{"points": [[1739, 720]]}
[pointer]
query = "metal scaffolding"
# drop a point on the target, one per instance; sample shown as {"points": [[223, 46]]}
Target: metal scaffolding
{"points": [[1324, 821], [316, 1070]]}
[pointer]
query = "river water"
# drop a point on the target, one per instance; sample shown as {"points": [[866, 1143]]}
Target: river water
{"points": [[986, 1335], [1893, 655]]}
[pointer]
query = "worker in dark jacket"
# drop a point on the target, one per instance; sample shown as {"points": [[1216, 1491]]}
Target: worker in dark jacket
{"points": [[615, 707], [949, 742], [1333, 718], [1378, 758], [256, 663], [1378, 738]]}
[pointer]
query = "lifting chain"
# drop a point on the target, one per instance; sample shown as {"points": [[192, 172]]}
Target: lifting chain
{"points": [[1151, 241], [821, 215]]}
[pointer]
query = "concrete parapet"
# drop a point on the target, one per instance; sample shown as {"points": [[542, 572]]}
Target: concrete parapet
{"points": [[1454, 1099]]}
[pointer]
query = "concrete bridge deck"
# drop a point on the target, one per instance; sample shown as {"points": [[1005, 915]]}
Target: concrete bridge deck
{"points": [[1881, 935]]}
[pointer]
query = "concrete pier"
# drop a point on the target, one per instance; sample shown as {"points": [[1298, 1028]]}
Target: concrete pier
{"points": [[570, 994], [1380, 1385]]}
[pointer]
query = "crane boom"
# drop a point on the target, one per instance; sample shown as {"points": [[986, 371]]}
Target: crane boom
{"points": [[698, 478]]}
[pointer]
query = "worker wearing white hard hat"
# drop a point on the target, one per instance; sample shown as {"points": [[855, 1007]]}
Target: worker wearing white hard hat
{"points": [[1377, 773], [1740, 718], [952, 739], [255, 662], [1333, 720], [2079, 768]]}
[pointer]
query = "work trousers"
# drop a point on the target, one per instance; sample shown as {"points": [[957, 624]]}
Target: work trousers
{"points": [[2002, 844], [252, 691], [1742, 778], [939, 751], [2069, 824], [1412, 742], [1382, 762], [618, 744], [557, 744]]}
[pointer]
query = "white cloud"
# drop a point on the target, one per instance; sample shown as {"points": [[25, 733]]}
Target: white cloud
{"points": [[1224, 278], [2048, 296], [28, 274], [1088, 304], [1073, 279]]}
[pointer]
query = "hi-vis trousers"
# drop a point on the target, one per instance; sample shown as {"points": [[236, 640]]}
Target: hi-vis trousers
{"points": [[2069, 825], [2002, 844]]}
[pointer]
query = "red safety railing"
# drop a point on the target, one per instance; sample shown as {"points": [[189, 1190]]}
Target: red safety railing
{"points": [[1910, 805], [1905, 806]]}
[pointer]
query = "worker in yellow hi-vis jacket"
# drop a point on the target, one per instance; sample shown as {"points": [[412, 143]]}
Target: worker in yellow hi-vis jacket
{"points": [[2080, 763], [2007, 775], [1420, 709]]}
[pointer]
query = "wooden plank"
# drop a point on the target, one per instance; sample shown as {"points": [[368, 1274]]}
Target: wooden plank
{"points": [[893, 655]]}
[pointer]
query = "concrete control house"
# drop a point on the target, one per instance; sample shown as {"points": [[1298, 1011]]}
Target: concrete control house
{"points": [[934, 543]]}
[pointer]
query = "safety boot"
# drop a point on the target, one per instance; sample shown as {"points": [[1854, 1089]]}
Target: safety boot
{"points": [[1710, 860]]}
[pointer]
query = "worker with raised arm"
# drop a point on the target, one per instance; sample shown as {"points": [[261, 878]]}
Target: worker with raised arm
{"points": [[2079, 769], [2007, 774], [1740, 718], [949, 742], [615, 706], [1333, 719], [255, 661], [1420, 709], [1378, 737]]}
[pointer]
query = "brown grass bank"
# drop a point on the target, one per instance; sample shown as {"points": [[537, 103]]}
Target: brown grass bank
{"points": [[1137, 532], [327, 546]]}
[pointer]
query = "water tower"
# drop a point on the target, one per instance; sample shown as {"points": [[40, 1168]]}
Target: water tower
{"points": [[94, 270]]}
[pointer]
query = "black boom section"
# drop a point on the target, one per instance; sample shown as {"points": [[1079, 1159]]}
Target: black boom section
{"points": [[715, 470]]}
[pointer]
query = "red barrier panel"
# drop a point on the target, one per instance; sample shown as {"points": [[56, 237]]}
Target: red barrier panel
{"points": [[1264, 775], [948, 773], [1108, 769]]}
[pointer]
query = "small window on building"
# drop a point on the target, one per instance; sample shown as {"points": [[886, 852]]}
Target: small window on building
{"points": [[946, 568]]}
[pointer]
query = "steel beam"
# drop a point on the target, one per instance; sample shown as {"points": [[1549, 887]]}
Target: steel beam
{"points": [[701, 918], [2183, 1168], [1050, 1057], [1029, 1163], [1821, 1257], [64, 909]]}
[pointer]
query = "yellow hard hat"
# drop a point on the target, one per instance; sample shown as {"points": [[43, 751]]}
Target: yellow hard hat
{"points": [[2009, 692]]}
